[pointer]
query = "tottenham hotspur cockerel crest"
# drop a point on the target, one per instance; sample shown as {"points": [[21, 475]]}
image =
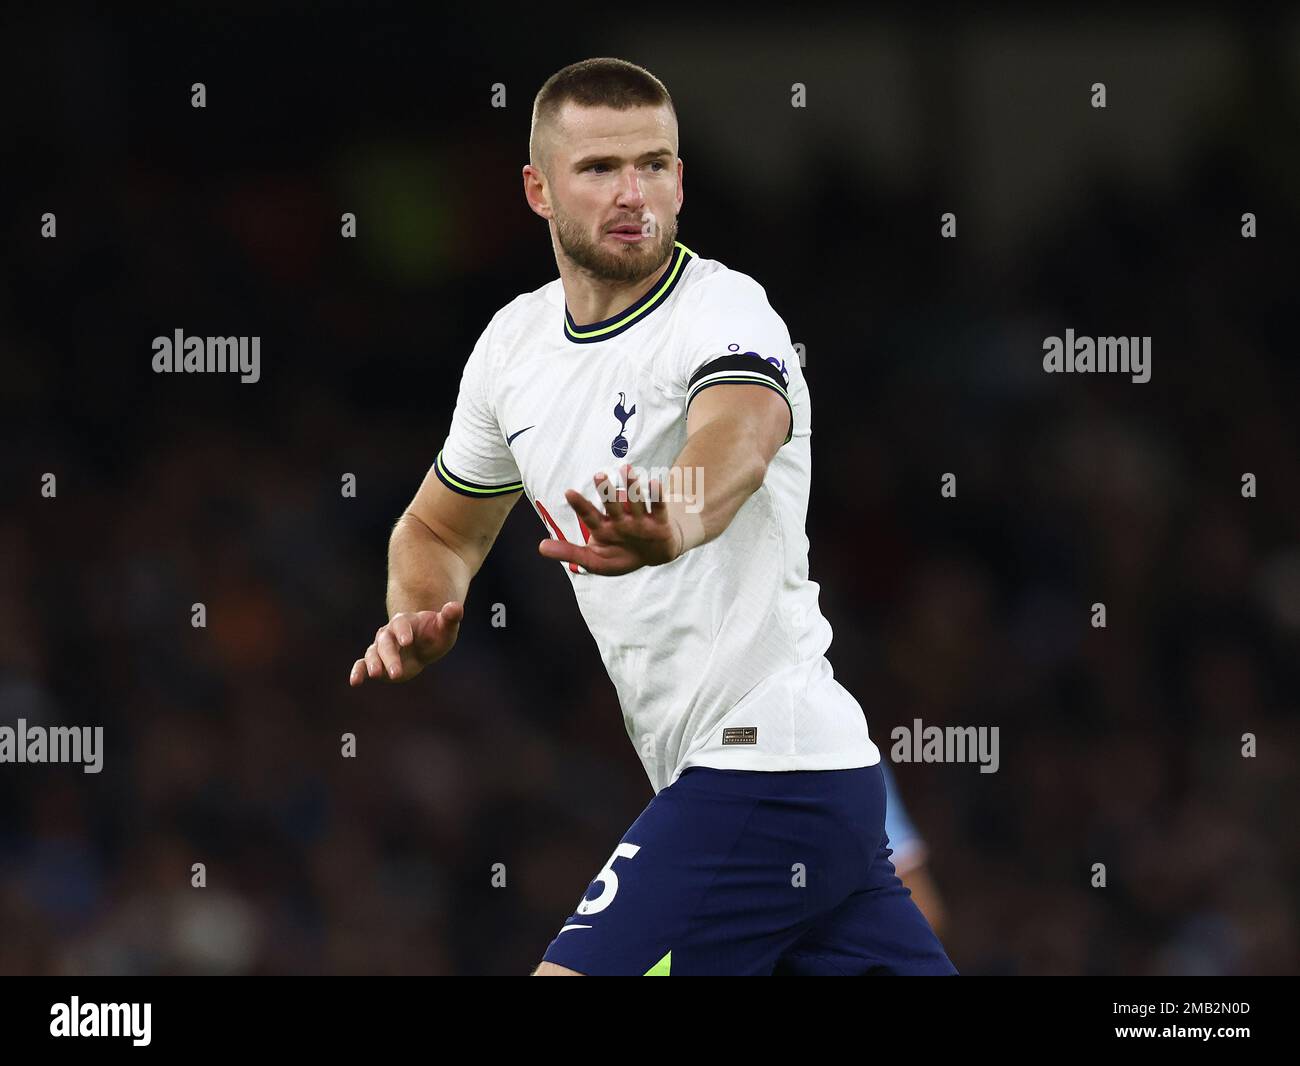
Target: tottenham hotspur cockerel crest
{"points": [[619, 444]]}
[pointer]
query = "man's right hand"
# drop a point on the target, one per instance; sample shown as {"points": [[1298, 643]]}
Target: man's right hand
{"points": [[408, 643]]}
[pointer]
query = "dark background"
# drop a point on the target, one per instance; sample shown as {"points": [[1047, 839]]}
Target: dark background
{"points": [[1119, 745]]}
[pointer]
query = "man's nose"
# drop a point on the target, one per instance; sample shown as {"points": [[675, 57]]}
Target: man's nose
{"points": [[630, 186]]}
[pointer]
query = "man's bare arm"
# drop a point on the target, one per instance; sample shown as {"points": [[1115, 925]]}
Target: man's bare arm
{"points": [[733, 432], [439, 521], [423, 571], [436, 548]]}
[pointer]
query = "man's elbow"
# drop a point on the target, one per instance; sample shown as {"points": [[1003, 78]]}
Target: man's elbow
{"points": [[411, 528], [766, 437], [757, 473]]}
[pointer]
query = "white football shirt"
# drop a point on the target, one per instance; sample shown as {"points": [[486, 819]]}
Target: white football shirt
{"points": [[718, 657]]}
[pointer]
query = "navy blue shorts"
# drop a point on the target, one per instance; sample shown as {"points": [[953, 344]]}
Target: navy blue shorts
{"points": [[744, 872]]}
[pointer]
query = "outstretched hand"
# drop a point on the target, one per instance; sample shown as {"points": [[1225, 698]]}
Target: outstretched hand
{"points": [[408, 643], [625, 536]]}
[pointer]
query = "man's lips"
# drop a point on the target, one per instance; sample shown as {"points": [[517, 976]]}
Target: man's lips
{"points": [[627, 234]]}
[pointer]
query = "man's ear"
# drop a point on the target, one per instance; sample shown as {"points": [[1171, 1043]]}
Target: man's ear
{"points": [[535, 192]]}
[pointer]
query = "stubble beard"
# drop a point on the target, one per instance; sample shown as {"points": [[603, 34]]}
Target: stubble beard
{"points": [[626, 264]]}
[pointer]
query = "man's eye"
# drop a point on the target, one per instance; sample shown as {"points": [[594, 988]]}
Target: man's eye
{"points": [[604, 166]]}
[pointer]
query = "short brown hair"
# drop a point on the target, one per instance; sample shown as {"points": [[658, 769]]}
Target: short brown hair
{"points": [[602, 82]]}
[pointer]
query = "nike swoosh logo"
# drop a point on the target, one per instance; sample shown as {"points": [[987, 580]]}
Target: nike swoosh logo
{"points": [[517, 432], [568, 927]]}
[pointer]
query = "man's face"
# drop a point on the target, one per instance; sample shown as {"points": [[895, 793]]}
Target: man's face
{"points": [[611, 171]]}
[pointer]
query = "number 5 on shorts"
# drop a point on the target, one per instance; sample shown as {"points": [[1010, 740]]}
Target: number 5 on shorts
{"points": [[609, 879]]}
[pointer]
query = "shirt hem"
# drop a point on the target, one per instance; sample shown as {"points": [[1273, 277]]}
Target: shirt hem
{"points": [[774, 763]]}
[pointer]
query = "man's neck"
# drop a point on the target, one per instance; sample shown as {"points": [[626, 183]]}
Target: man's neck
{"points": [[591, 300]]}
